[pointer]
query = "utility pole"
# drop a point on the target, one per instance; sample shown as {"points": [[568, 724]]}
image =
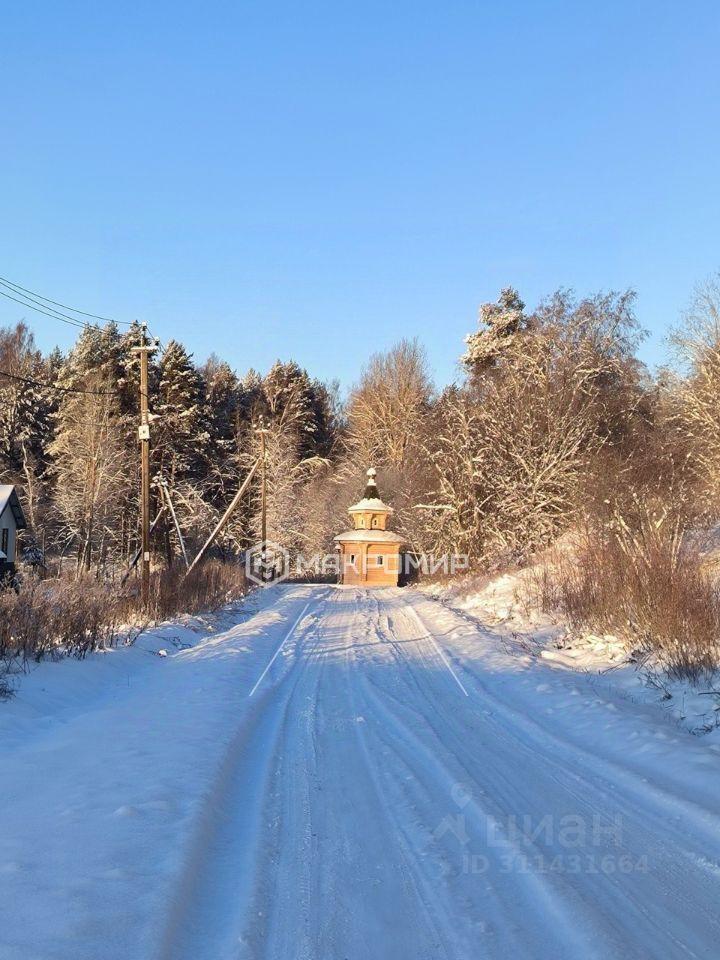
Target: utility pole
{"points": [[263, 504], [138, 552], [144, 350]]}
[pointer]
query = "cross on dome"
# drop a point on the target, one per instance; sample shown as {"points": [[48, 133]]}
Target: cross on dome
{"points": [[371, 486]]}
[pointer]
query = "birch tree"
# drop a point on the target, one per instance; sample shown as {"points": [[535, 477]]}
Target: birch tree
{"points": [[387, 407], [89, 454]]}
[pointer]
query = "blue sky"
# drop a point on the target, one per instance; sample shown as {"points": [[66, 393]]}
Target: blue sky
{"points": [[316, 180]]}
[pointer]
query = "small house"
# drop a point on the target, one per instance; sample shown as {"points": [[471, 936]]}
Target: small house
{"points": [[12, 519], [370, 553]]}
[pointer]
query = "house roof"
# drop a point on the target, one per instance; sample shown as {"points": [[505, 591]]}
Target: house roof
{"points": [[9, 497], [369, 536]]}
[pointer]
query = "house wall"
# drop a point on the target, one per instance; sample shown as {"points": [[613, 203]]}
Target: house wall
{"points": [[7, 522]]}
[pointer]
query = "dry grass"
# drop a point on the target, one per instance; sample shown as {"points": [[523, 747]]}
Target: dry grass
{"points": [[644, 579], [73, 618], [209, 587], [48, 618]]}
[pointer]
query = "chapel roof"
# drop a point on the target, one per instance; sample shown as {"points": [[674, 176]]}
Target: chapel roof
{"points": [[371, 499], [369, 536]]}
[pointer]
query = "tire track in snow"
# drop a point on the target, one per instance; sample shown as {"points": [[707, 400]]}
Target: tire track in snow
{"points": [[636, 789], [417, 880], [340, 872], [674, 868], [322, 845], [288, 832], [205, 918], [432, 779], [304, 893]]}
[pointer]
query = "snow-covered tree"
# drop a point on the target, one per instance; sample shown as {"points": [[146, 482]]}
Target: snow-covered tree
{"points": [[514, 448], [180, 433], [91, 450], [696, 418], [89, 457], [501, 324], [26, 408], [387, 408], [305, 406], [224, 422]]}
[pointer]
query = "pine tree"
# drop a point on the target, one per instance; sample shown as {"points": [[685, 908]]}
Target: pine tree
{"points": [[95, 359], [224, 416], [128, 373], [19, 400], [500, 325], [26, 408], [304, 406], [181, 445]]}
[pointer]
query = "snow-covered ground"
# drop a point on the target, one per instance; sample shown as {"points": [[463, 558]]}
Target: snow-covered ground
{"points": [[340, 773], [502, 602]]}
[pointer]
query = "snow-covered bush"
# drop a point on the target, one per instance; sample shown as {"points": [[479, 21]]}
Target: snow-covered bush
{"points": [[643, 577], [55, 618]]}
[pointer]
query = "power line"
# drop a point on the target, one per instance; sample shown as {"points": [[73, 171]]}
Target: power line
{"points": [[35, 304], [54, 386], [32, 300], [57, 316], [42, 307], [53, 316], [94, 316]]}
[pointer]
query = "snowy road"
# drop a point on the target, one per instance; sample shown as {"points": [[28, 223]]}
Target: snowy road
{"points": [[350, 774]]}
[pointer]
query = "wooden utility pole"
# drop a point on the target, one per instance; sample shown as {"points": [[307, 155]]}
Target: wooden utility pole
{"points": [[138, 552], [144, 350], [263, 505]]}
